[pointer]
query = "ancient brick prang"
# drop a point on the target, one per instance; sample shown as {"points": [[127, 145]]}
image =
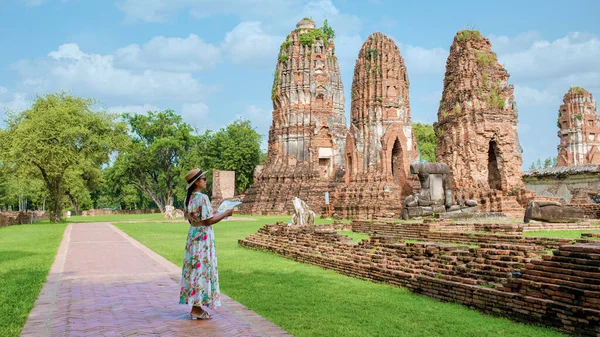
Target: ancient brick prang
{"points": [[578, 129], [308, 134], [477, 121], [380, 146]]}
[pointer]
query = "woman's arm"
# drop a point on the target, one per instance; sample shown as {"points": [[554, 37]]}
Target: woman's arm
{"points": [[213, 220]]}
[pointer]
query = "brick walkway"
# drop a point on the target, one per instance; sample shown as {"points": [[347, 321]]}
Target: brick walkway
{"points": [[104, 283]]}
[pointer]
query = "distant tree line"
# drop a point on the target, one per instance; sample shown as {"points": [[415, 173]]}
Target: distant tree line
{"points": [[548, 162], [426, 140], [61, 154]]}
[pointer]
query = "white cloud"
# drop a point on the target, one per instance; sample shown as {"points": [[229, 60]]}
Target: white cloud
{"points": [[319, 10], [248, 44], [96, 75], [164, 10], [575, 53], [261, 120], [13, 103], [136, 109], [196, 114], [424, 61], [526, 97], [173, 54]]}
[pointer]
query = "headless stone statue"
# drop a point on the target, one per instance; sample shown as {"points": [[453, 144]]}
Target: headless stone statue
{"points": [[303, 215]]}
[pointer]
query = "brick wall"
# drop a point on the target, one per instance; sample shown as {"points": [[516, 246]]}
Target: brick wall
{"points": [[516, 280], [18, 218]]}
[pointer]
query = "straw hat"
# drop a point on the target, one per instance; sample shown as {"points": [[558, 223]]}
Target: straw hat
{"points": [[192, 176]]}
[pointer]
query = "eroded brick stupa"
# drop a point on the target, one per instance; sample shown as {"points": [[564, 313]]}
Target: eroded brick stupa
{"points": [[578, 129], [380, 146], [365, 170], [477, 125], [308, 134]]}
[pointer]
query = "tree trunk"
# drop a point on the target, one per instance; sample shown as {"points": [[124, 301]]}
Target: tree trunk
{"points": [[55, 209], [73, 202]]}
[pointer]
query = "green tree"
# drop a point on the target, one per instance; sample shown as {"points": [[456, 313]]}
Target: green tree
{"points": [[153, 161], [233, 148], [58, 134], [426, 140], [328, 30], [236, 148]]}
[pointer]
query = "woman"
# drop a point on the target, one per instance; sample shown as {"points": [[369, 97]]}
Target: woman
{"points": [[200, 275]]}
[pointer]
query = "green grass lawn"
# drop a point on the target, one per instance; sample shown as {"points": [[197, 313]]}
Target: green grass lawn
{"points": [[26, 254], [568, 234], [307, 300], [356, 237]]}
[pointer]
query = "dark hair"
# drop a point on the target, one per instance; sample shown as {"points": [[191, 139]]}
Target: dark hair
{"points": [[187, 199]]}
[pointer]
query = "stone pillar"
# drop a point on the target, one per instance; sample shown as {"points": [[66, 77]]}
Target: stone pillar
{"points": [[223, 185]]}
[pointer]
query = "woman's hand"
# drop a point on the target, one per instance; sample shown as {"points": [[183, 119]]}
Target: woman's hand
{"points": [[214, 219]]}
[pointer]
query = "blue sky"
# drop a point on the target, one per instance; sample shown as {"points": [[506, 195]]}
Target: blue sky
{"points": [[213, 61]]}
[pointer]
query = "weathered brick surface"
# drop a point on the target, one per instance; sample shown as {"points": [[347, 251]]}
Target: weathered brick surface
{"points": [[308, 133], [19, 218], [477, 125], [380, 145], [509, 276], [578, 129]]}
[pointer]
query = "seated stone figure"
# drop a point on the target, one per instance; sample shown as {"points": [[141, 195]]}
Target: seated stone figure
{"points": [[302, 213], [436, 192]]}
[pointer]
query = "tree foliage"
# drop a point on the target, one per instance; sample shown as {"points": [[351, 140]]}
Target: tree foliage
{"points": [[426, 140], [233, 148], [60, 136], [548, 162], [152, 162]]}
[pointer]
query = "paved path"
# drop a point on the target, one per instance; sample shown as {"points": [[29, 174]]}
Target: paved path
{"points": [[104, 283]]}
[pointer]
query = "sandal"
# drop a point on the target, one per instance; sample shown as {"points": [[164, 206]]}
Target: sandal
{"points": [[204, 315]]}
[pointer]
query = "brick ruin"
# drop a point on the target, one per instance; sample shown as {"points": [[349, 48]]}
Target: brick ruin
{"points": [[578, 129], [223, 186], [20, 218], [498, 272], [308, 134], [380, 145], [477, 126], [311, 151]]}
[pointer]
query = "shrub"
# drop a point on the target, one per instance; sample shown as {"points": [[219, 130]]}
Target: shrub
{"points": [[457, 109], [466, 34], [371, 54], [494, 99], [577, 90], [285, 45], [485, 59], [275, 84], [283, 57]]}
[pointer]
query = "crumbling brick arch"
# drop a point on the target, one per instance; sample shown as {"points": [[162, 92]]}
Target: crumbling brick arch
{"points": [[494, 165], [394, 136]]}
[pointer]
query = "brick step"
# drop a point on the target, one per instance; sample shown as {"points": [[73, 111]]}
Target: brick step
{"points": [[566, 265], [569, 275], [552, 280]]}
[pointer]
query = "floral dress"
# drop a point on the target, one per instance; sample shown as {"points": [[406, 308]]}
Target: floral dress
{"points": [[200, 275]]}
